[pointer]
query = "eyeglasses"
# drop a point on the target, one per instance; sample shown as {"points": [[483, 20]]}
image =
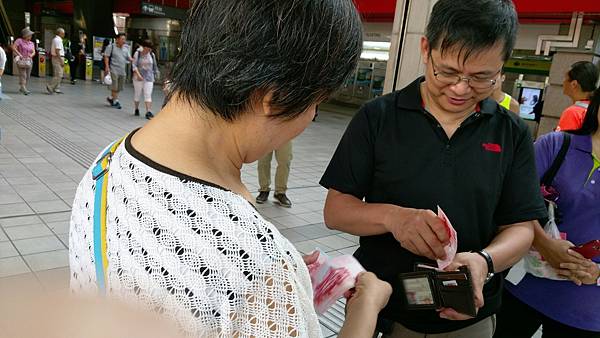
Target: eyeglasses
{"points": [[476, 83]]}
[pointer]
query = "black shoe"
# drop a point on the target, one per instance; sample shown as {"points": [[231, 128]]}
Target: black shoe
{"points": [[58, 91], [116, 105], [72, 82], [262, 197], [136, 112], [282, 200], [110, 101], [149, 115]]}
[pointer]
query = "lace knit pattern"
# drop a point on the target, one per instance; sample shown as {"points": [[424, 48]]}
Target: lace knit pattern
{"points": [[198, 254]]}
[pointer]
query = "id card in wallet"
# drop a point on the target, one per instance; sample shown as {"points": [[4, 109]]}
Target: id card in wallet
{"points": [[428, 289]]}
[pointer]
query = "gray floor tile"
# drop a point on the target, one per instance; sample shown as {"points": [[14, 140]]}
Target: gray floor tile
{"points": [[3, 236], [12, 266], [291, 221], [55, 217], [7, 250], [27, 231], [48, 260], [59, 227], [64, 238], [39, 244], [15, 209], [335, 242], [30, 197], [292, 235], [10, 198], [49, 206], [306, 247], [23, 220]]}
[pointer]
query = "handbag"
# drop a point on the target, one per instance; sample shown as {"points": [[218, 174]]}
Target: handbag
{"points": [[23, 62], [99, 175]]}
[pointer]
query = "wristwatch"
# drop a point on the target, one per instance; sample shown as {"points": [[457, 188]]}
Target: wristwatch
{"points": [[490, 264]]}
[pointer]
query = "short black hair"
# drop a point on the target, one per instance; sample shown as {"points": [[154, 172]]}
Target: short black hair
{"points": [[147, 43], [586, 74], [235, 51], [471, 26], [120, 35]]}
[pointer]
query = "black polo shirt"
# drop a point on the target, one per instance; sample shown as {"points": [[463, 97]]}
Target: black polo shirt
{"points": [[394, 151]]}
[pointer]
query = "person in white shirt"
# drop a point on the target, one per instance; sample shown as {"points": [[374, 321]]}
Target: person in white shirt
{"points": [[2, 63], [57, 51]]}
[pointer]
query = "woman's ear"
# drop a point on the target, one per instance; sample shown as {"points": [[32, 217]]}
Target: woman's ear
{"points": [[266, 104]]}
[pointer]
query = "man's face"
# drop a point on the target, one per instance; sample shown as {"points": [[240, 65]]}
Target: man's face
{"points": [[482, 68], [120, 41]]}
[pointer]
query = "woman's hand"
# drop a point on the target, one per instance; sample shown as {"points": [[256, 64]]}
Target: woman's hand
{"points": [[557, 251], [370, 293], [584, 272]]}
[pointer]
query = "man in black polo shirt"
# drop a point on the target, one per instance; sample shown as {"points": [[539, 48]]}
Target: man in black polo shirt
{"points": [[441, 141]]}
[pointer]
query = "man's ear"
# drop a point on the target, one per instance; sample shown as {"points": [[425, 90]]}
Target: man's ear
{"points": [[425, 49]]}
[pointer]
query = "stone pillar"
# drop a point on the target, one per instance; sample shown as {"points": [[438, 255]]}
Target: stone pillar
{"points": [[405, 62], [555, 101]]}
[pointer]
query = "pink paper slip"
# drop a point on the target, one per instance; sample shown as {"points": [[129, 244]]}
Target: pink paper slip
{"points": [[451, 247], [331, 278]]}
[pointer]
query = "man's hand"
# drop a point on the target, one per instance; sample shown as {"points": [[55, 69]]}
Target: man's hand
{"points": [[556, 251], [478, 268], [419, 231], [585, 271]]}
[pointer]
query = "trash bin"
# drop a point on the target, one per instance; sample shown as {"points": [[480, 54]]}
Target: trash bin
{"points": [[39, 63], [89, 68]]}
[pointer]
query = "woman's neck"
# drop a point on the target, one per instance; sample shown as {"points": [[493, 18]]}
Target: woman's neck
{"points": [[194, 143]]}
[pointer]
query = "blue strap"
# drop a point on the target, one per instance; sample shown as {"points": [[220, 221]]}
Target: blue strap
{"points": [[98, 174]]}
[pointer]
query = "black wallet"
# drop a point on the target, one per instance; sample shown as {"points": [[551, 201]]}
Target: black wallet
{"points": [[428, 288]]}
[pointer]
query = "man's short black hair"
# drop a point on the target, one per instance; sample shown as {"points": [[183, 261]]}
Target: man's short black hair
{"points": [[121, 35], [471, 26], [235, 51], [586, 74]]}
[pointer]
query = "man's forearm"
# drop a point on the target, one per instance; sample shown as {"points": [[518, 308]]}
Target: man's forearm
{"points": [[347, 213], [510, 244], [105, 62]]}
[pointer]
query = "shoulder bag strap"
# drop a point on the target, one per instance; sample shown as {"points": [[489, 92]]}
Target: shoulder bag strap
{"points": [[99, 175], [558, 161]]}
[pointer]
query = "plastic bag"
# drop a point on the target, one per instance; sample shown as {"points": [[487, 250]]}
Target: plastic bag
{"points": [[533, 262], [331, 278], [107, 80]]}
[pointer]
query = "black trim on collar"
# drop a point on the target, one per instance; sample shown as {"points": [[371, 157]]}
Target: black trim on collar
{"points": [[157, 166]]}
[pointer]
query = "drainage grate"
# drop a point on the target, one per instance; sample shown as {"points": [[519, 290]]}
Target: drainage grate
{"points": [[70, 149], [333, 319]]}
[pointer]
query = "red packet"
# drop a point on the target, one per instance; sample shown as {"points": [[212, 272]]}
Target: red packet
{"points": [[451, 247], [331, 278]]}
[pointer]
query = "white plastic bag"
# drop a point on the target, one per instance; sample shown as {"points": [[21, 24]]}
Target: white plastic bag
{"points": [[533, 261], [107, 80]]}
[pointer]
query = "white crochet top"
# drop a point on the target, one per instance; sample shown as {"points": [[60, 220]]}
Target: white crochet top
{"points": [[195, 252]]}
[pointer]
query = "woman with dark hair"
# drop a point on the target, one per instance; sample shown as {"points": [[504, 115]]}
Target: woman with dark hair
{"points": [[579, 84], [182, 235], [145, 71], [570, 307]]}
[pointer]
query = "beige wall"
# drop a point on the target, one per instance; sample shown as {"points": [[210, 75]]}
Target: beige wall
{"points": [[410, 63]]}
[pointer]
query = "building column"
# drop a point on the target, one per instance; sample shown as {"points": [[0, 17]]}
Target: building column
{"points": [[405, 63]]}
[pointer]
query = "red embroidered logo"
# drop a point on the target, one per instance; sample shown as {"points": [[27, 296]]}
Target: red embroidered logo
{"points": [[493, 147]]}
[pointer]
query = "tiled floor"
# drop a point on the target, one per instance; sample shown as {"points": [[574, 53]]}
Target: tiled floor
{"points": [[47, 141]]}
